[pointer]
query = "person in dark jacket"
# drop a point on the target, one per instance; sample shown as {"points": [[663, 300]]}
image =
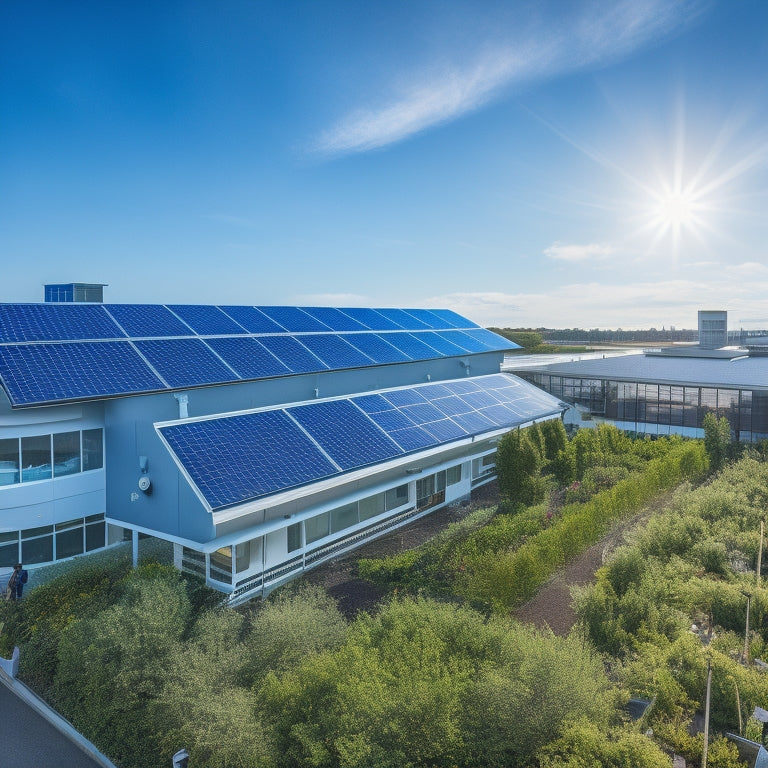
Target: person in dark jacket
{"points": [[16, 583]]}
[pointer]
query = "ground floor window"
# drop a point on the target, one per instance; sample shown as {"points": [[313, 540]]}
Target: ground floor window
{"points": [[48, 543]]}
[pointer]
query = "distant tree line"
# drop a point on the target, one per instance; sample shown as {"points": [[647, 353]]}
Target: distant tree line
{"points": [[526, 337]]}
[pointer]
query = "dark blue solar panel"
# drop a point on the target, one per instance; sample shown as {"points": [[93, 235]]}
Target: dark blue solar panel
{"points": [[294, 319], [460, 387], [334, 351], [430, 319], [372, 403], [292, 354], [247, 357], [444, 430], [492, 340], [377, 348], [501, 415], [56, 322], [422, 413], [206, 320], [372, 319], [185, 362], [335, 319], [480, 399], [142, 320], [389, 420], [252, 320], [400, 397], [413, 439], [451, 406], [408, 343], [43, 373], [474, 422], [465, 341], [433, 391], [345, 434], [453, 319], [440, 343], [405, 320], [232, 460]]}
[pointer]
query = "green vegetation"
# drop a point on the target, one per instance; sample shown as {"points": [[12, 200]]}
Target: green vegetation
{"points": [[144, 662], [532, 342]]}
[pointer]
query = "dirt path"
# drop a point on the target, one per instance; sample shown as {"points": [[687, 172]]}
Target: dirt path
{"points": [[551, 607]]}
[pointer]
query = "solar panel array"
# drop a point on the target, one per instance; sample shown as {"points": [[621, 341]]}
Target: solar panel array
{"points": [[240, 458], [62, 352]]}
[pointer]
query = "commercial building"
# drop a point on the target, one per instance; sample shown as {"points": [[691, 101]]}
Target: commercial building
{"points": [[259, 441]]}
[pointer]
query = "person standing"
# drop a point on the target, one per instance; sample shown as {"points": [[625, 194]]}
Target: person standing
{"points": [[16, 583]]}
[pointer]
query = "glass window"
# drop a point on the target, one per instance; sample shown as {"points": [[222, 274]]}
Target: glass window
{"points": [[221, 565], [37, 550], [453, 475], [94, 536], [371, 506], [69, 543], [93, 449], [317, 527], [193, 561], [66, 453], [294, 537], [396, 497], [28, 533], [69, 524], [344, 517], [36, 458], [440, 481], [9, 461], [242, 556], [9, 555]]}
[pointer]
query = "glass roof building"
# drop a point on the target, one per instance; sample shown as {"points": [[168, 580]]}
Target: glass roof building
{"points": [[257, 441]]}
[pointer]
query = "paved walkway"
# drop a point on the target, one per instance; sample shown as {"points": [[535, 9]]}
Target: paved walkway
{"points": [[29, 740]]}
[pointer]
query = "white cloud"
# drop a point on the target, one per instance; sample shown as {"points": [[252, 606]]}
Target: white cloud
{"points": [[603, 305], [602, 32], [572, 252]]}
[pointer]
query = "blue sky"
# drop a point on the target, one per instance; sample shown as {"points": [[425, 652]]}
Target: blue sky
{"points": [[591, 164]]}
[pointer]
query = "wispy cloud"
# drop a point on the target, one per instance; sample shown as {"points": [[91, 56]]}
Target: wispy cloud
{"points": [[602, 32], [573, 252]]}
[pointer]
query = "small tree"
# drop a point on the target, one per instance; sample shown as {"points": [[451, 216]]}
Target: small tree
{"points": [[717, 440], [518, 464]]}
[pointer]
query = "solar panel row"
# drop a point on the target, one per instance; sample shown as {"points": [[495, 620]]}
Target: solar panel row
{"points": [[235, 459], [89, 322], [37, 373]]}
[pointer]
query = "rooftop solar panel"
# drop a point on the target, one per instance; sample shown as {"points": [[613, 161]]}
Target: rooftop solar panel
{"points": [[56, 322], [453, 319], [492, 340], [233, 459], [148, 320], [240, 458], [335, 319], [294, 319], [440, 343], [464, 340], [372, 319], [377, 348], [421, 413], [430, 319], [405, 320], [45, 373], [452, 406], [248, 358], [411, 346], [444, 430], [291, 353], [413, 439], [345, 434], [185, 362], [206, 320], [252, 319], [335, 352]]}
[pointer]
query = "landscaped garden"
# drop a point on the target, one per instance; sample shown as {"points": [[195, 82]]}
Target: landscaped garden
{"points": [[144, 662]]}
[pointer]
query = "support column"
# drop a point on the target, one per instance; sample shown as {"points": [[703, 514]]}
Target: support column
{"points": [[135, 548]]}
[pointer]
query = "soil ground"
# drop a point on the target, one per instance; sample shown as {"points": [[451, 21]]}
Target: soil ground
{"points": [[551, 607]]}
